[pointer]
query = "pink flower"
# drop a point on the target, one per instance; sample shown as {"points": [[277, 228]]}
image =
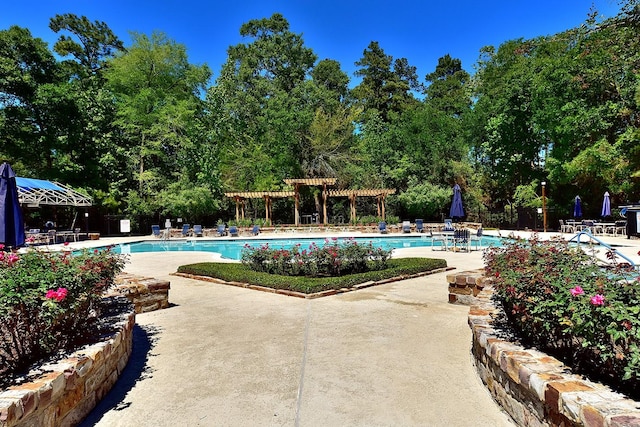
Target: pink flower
{"points": [[12, 259], [58, 295], [66, 243], [597, 299], [2, 247], [577, 291]]}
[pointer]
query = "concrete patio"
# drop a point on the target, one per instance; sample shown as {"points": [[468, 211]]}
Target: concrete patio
{"points": [[390, 355]]}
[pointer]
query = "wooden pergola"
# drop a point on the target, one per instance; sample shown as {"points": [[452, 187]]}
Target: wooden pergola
{"points": [[379, 193], [296, 183], [241, 197]]}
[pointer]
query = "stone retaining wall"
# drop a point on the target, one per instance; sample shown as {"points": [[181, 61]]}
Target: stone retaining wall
{"points": [[72, 387], [145, 293], [539, 390], [464, 286]]}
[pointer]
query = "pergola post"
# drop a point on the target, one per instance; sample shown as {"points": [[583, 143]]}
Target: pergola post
{"points": [[325, 221], [297, 205], [382, 203], [352, 199], [266, 210], [237, 208]]}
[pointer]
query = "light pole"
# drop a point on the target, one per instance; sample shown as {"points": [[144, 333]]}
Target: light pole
{"points": [[544, 208]]}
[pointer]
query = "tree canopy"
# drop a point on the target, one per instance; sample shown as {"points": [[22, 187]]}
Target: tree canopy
{"points": [[149, 135]]}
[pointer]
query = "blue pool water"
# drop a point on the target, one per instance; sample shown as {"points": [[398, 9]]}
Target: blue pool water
{"points": [[232, 248]]}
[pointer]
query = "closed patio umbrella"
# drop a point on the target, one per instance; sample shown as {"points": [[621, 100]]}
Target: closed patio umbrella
{"points": [[577, 208], [11, 220], [606, 205], [456, 211]]}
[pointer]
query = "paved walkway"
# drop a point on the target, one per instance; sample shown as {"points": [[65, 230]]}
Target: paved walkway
{"points": [[391, 355]]}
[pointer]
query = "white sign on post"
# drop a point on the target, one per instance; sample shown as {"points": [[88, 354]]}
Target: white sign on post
{"points": [[125, 226]]}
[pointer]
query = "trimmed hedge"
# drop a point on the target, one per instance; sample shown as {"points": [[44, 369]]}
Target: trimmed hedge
{"points": [[232, 272]]}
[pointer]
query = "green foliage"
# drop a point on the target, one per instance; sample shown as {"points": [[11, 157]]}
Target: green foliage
{"points": [[233, 272], [49, 301], [425, 200], [560, 300]]}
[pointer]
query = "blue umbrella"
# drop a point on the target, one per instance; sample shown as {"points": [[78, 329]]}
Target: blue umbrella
{"points": [[11, 221], [577, 208], [457, 210], [606, 205]]}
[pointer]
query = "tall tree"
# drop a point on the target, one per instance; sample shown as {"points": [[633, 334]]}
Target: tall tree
{"points": [[158, 100], [35, 107], [383, 89], [92, 157], [262, 94]]}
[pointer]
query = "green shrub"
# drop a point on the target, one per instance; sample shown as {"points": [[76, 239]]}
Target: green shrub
{"points": [[49, 301], [233, 272], [560, 300]]}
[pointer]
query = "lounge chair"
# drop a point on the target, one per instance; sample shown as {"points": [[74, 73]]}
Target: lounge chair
{"points": [[233, 231], [155, 230], [186, 230], [382, 227], [419, 226], [255, 230], [222, 230], [197, 230], [406, 227]]}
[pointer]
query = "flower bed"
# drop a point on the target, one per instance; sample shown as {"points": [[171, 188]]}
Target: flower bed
{"points": [[561, 301], [67, 390], [536, 389]]}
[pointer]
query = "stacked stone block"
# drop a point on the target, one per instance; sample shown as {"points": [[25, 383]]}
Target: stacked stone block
{"points": [[145, 293], [464, 286]]}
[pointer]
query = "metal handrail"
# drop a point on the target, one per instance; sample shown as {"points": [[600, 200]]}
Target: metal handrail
{"points": [[587, 232]]}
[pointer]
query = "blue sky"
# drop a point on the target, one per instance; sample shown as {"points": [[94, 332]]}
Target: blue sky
{"points": [[421, 31]]}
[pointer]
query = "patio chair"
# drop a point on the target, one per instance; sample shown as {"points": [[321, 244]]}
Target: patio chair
{"points": [[477, 238], [382, 227], [419, 226], [406, 227], [566, 228], [462, 240], [448, 225], [233, 231], [442, 238], [155, 231], [255, 230], [197, 230], [186, 230], [222, 230]]}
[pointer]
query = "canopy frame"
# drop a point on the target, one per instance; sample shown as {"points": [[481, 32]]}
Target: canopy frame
{"points": [[35, 192]]}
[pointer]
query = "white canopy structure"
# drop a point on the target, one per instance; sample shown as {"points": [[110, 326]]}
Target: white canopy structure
{"points": [[35, 192]]}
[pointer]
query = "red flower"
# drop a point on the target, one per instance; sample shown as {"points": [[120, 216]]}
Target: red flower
{"points": [[58, 295]]}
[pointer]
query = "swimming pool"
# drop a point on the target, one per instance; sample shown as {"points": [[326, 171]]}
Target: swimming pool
{"points": [[232, 248]]}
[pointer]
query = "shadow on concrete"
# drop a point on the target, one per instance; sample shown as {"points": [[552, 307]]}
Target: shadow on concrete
{"points": [[144, 339]]}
